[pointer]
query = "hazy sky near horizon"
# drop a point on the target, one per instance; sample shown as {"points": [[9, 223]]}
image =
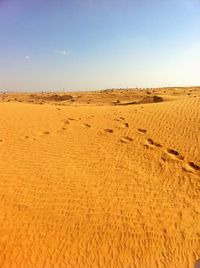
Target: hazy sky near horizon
{"points": [[90, 44]]}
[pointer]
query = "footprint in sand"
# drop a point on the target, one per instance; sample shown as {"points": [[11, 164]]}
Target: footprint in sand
{"points": [[108, 130], [71, 119], [157, 144], [126, 139], [42, 133], [124, 125], [175, 154], [193, 167], [150, 142], [1, 140], [86, 125], [141, 130], [66, 122], [120, 119], [46, 132]]}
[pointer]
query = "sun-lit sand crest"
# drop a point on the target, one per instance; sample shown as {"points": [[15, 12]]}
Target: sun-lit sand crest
{"points": [[103, 179]]}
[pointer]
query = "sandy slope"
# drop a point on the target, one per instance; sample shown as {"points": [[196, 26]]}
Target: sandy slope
{"points": [[100, 186]]}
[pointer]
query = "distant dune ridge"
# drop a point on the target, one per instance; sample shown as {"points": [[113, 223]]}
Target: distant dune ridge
{"points": [[152, 99], [100, 179]]}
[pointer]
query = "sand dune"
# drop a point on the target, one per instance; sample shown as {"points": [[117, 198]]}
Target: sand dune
{"points": [[86, 183]]}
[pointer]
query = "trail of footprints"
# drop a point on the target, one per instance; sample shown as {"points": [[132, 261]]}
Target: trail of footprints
{"points": [[149, 143], [190, 166]]}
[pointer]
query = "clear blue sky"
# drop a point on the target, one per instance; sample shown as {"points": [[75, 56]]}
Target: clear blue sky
{"points": [[90, 44]]}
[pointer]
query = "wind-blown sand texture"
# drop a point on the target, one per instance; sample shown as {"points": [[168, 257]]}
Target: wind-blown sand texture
{"points": [[100, 179]]}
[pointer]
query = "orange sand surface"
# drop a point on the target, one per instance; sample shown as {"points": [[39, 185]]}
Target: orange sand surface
{"points": [[100, 179]]}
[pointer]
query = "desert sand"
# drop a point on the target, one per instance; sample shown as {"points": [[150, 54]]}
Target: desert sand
{"points": [[100, 179]]}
